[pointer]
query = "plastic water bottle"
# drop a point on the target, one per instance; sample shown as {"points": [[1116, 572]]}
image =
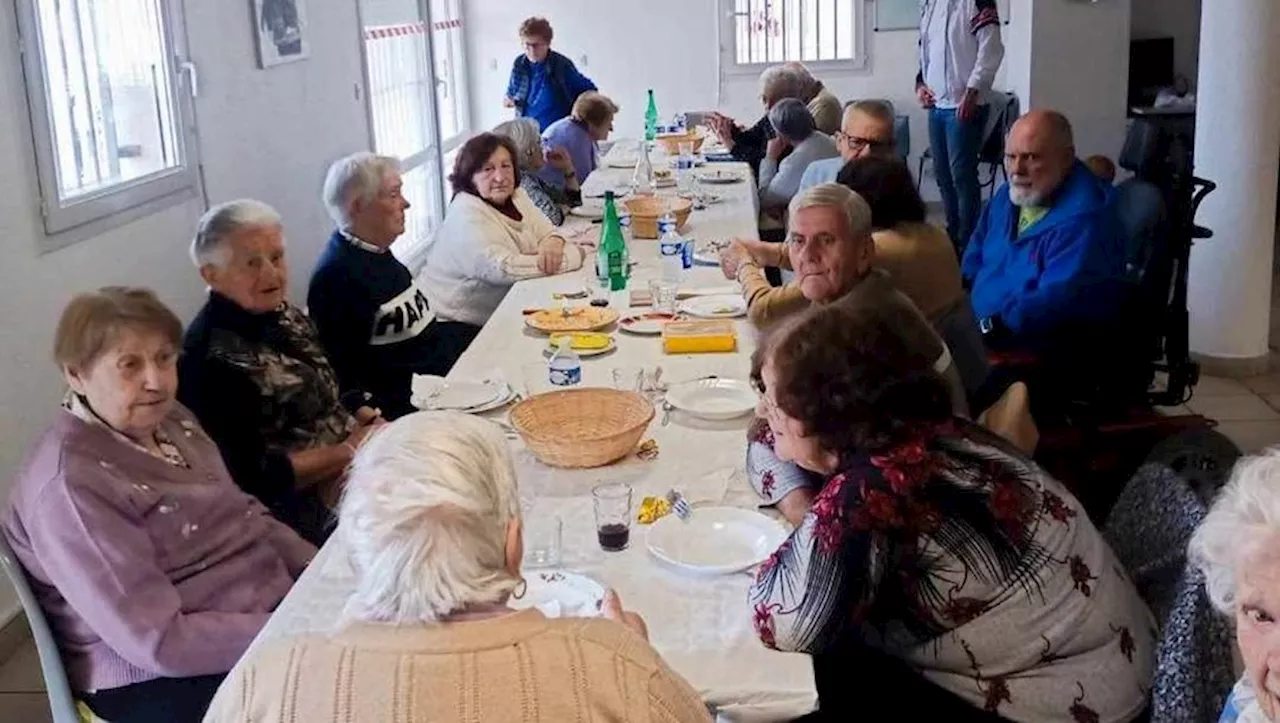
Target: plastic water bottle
{"points": [[565, 368], [671, 247]]}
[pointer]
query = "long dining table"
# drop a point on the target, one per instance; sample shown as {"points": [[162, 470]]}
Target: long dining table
{"points": [[702, 626]]}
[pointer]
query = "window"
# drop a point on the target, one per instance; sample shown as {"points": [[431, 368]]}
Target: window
{"points": [[108, 111], [815, 32], [451, 72], [416, 70]]}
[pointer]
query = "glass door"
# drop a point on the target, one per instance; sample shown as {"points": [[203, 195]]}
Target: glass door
{"points": [[415, 68]]}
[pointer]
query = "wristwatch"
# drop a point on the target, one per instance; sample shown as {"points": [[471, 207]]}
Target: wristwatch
{"points": [[987, 325]]}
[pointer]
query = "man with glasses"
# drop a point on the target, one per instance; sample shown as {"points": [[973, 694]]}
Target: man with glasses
{"points": [[866, 130], [544, 84]]}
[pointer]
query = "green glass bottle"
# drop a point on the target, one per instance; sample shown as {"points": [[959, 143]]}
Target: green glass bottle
{"points": [[651, 118], [612, 262]]}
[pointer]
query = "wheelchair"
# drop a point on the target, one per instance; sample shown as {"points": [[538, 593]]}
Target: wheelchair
{"points": [[1109, 423]]}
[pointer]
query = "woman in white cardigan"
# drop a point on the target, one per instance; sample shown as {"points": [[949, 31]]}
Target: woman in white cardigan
{"points": [[492, 236]]}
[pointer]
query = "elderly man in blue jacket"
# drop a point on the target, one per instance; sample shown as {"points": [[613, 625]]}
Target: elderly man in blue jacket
{"points": [[1045, 264]]}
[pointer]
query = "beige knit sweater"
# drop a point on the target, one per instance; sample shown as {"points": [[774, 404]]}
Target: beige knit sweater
{"points": [[519, 667]]}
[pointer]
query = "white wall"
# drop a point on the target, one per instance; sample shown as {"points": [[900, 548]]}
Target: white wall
{"points": [[1089, 86], [267, 134], [630, 47], [1177, 19]]}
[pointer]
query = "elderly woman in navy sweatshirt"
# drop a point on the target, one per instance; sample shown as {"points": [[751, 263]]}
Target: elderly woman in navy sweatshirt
{"points": [[154, 570], [376, 325]]}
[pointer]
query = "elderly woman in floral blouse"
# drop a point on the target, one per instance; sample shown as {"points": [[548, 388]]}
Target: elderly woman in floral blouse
{"points": [[935, 573]]}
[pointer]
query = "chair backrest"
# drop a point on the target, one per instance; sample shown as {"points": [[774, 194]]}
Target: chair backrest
{"points": [[1140, 207], [1149, 528], [1004, 111], [61, 701]]}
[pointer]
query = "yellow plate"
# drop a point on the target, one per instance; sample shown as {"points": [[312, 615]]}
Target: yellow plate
{"points": [[582, 341]]}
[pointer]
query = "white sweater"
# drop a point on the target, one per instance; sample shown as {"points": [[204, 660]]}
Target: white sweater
{"points": [[478, 253]]}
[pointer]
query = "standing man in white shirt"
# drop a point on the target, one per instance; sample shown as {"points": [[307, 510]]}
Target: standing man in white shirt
{"points": [[960, 51]]}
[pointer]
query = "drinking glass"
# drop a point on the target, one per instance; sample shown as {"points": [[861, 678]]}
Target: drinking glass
{"points": [[664, 294], [628, 379], [612, 503], [542, 540], [536, 377]]}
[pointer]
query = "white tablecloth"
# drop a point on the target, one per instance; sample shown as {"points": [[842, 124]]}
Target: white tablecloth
{"points": [[702, 627]]}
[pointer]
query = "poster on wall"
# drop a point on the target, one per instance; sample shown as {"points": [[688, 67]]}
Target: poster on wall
{"points": [[281, 27]]}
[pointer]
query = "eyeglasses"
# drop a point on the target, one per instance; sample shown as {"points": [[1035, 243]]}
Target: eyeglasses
{"points": [[857, 143]]}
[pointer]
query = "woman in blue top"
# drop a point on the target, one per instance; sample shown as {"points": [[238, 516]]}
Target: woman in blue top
{"points": [[543, 83]]}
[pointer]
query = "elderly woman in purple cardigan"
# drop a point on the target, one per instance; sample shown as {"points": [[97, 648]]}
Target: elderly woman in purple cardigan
{"points": [[154, 569]]}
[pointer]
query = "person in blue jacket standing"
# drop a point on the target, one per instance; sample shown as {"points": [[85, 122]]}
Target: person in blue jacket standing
{"points": [[543, 83], [1046, 262]]}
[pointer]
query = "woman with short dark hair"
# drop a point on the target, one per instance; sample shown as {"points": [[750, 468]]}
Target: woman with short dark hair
{"points": [[492, 236], [154, 570], [798, 139], [938, 573], [543, 84]]}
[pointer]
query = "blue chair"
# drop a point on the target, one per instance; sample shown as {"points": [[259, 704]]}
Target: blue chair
{"points": [[62, 702]]}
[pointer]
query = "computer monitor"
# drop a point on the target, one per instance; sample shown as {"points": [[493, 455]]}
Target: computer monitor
{"points": [[1150, 69]]}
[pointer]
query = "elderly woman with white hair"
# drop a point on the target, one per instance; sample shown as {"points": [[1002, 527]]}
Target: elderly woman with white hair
{"points": [[254, 372], [431, 522], [795, 137], [1237, 547], [748, 145], [154, 571], [548, 197], [375, 323]]}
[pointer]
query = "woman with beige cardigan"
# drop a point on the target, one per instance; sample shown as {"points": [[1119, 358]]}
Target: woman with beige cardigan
{"points": [[431, 521]]}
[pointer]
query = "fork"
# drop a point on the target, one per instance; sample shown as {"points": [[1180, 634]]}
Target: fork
{"points": [[679, 505]]}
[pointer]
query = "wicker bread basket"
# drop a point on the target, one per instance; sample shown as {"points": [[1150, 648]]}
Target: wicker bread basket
{"points": [[671, 141], [582, 428], [646, 210]]}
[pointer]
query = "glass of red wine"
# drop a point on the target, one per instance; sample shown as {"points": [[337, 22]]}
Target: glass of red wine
{"points": [[612, 502]]}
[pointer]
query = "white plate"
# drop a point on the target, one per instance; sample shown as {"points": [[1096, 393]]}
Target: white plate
{"points": [[715, 399], [715, 307], [645, 323], [587, 210], [622, 162], [560, 594], [715, 540], [435, 393], [503, 399], [720, 177]]}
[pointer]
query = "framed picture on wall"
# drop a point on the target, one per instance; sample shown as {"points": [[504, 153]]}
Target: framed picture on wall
{"points": [[280, 27]]}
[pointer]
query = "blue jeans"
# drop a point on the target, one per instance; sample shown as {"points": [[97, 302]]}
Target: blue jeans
{"points": [[955, 147]]}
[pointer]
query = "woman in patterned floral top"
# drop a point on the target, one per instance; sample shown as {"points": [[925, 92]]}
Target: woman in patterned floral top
{"points": [[549, 198], [936, 571]]}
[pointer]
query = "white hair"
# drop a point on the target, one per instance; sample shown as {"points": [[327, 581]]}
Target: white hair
{"points": [[857, 213], [358, 176], [778, 82], [1246, 510], [524, 133], [424, 517], [224, 221]]}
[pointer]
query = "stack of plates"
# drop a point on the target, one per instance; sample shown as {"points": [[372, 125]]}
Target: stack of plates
{"points": [[438, 394]]}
